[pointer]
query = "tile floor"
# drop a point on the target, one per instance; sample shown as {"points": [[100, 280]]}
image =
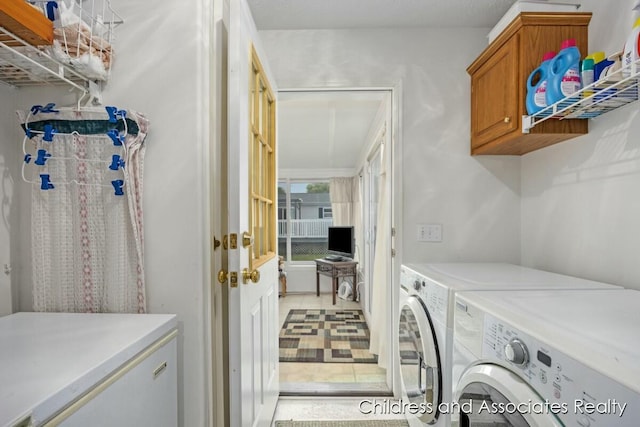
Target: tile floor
{"points": [[308, 409], [325, 377]]}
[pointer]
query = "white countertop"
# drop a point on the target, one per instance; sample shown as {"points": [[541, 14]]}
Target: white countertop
{"points": [[47, 360]]}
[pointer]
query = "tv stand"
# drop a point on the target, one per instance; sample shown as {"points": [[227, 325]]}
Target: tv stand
{"points": [[335, 270]]}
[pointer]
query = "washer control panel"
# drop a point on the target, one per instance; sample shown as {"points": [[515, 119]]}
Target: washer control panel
{"points": [[434, 296], [575, 393]]}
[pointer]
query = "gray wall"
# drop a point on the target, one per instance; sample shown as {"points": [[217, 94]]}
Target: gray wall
{"points": [[580, 204], [477, 199]]}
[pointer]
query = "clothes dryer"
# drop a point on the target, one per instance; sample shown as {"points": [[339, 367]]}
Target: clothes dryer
{"points": [[541, 358], [426, 312]]}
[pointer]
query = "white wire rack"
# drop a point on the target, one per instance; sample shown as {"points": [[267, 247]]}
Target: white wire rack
{"points": [[610, 93], [81, 53]]}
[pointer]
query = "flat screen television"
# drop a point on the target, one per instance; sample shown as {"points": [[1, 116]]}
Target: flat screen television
{"points": [[341, 241]]}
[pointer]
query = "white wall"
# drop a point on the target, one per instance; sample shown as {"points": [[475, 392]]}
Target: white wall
{"points": [[9, 217], [477, 199], [580, 204], [160, 70]]}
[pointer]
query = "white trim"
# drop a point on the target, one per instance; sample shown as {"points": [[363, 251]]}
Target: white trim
{"points": [[205, 100], [394, 135], [395, 131], [315, 174]]}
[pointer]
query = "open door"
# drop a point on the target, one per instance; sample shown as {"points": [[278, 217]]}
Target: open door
{"points": [[251, 271]]}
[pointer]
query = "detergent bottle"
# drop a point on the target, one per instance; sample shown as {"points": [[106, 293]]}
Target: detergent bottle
{"points": [[564, 73], [537, 85], [587, 76], [606, 95], [631, 52], [600, 63]]}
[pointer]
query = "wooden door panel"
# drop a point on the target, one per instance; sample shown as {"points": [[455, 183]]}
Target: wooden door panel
{"points": [[495, 96]]}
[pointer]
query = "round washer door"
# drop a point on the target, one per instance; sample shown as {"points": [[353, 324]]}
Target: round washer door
{"points": [[491, 395], [419, 360]]}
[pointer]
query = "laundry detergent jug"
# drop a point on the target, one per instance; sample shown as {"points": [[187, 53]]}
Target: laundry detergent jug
{"points": [[537, 85], [564, 73]]}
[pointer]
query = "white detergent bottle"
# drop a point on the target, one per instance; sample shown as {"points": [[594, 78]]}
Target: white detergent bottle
{"points": [[631, 52]]}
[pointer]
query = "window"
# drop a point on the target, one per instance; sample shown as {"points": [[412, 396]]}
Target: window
{"points": [[302, 236], [325, 213], [262, 186]]}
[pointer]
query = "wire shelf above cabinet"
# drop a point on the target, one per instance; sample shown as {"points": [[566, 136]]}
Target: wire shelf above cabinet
{"points": [[79, 49], [607, 94]]}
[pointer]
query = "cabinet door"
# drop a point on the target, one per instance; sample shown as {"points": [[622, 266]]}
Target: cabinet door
{"points": [[142, 393], [494, 96]]}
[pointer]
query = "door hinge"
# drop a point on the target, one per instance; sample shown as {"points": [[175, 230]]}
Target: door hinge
{"points": [[393, 253], [393, 232]]}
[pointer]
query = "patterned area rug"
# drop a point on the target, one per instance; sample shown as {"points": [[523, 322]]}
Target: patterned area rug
{"points": [[331, 336]]}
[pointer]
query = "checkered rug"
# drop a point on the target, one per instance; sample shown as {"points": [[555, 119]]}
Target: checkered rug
{"points": [[331, 336]]}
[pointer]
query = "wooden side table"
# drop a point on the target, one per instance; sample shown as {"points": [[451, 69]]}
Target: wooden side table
{"points": [[335, 270]]}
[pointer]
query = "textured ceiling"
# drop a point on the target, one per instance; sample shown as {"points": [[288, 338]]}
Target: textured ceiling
{"points": [[336, 14]]}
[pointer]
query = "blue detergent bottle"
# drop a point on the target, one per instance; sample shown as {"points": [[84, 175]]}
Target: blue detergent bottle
{"points": [[564, 74], [537, 85]]}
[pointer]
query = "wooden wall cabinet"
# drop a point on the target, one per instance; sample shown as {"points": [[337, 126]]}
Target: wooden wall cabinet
{"points": [[499, 83]]}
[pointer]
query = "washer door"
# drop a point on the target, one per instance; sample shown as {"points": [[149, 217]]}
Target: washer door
{"points": [[419, 360], [491, 395]]}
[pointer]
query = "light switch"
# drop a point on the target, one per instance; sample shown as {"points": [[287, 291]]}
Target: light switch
{"points": [[429, 232]]}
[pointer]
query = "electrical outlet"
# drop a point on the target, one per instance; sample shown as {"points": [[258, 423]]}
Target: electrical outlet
{"points": [[429, 232]]}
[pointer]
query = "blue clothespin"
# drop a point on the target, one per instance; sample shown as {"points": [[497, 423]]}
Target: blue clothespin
{"points": [[51, 10], [116, 163], [42, 157], [27, 158], [46, 182], [46, 109], [48, 133], [114, 113], [116, 137], [117, 187], [27, 132]]}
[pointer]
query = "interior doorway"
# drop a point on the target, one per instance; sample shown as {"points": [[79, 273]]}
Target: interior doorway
{"points": [[325, 136]]}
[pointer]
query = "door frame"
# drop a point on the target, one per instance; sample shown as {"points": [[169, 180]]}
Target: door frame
{"points": [[218, 340], [395, 90]]}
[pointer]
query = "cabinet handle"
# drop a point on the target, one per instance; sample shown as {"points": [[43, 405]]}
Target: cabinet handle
{"points": [[159, 370], [507, 119]]}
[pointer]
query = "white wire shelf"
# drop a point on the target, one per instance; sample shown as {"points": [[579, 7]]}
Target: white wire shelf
{"points": [[65, 62], [607, 94]]}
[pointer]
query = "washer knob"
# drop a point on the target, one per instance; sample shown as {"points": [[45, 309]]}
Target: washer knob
{"points": [[516, 352], [417, 285]]}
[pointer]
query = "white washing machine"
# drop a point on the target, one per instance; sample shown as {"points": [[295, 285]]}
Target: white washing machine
{"points": [[425, 328], [421, 332], [540, 358]]}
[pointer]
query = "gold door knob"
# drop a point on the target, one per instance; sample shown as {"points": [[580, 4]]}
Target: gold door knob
{"points": [[216, 243], [247, 239], [222, 276], [507, 119], [247, 275]]}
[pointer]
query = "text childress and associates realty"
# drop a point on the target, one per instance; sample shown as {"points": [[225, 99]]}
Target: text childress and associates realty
{"points": [[386, 406]]}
